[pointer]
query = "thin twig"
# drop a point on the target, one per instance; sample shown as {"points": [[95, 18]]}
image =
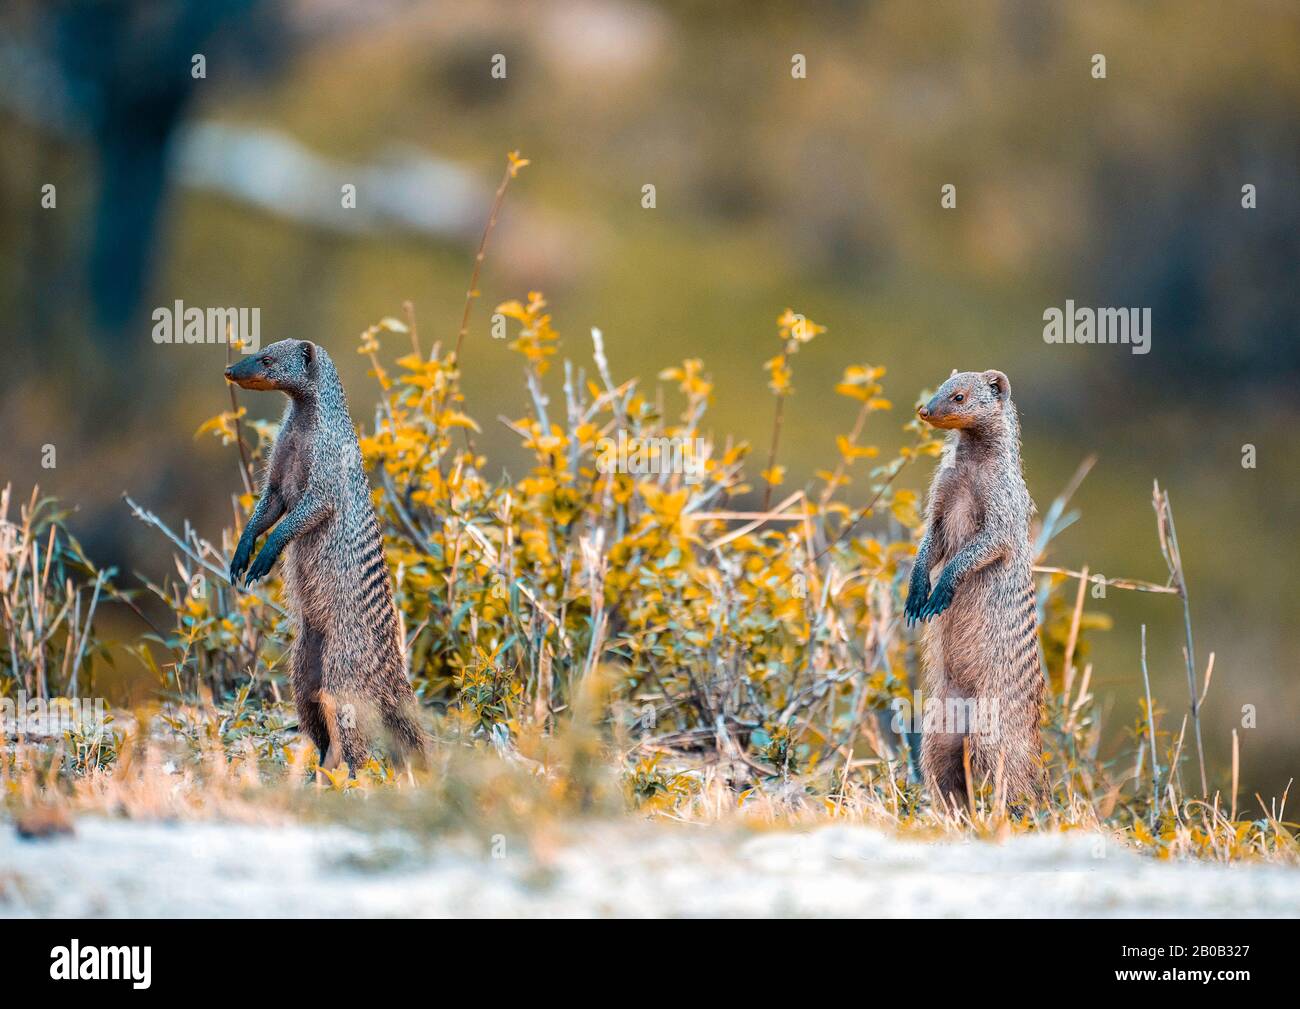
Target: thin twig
{"points": [[863, 512], [1236, 764], [513, 164], [1067, 673], [761, 517], [771, 452], [85, 634], [512, 168], [246, 468], [1151, 731], [1131, 584], [408, 308], [1174, 559]]}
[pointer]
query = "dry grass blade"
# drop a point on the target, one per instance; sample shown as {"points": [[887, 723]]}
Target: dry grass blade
{"points": [[1151, 731]]}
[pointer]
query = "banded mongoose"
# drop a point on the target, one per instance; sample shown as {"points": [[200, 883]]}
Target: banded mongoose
{"points": [[982, 640], [347, 660]]}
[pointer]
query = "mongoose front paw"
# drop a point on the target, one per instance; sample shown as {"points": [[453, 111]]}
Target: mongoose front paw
{"points": [[918, 591], [940, 599], [261, 566], [239, 562]]}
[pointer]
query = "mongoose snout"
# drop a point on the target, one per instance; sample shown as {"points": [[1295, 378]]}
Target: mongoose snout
{"points": [[271, 369], [981, 639], [967, 400]]}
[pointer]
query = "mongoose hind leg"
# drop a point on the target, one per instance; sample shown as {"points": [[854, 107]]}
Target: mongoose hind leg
{"points": [[354, 747], [305, 673], [333, 754], [943, 767], [312, 724], [1014, 758], [350, 742], [354, 721]]}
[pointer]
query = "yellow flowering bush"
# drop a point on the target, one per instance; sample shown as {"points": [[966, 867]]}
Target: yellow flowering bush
{"points": [[774, 632]]}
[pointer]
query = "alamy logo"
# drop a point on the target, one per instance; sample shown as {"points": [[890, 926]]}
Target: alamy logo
{"points": [[36, 716], [975, 715], [102, 963], [652, 456], [179, 324], [1103, 325]]}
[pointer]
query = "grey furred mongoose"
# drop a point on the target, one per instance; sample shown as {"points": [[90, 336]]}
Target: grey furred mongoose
{"points": [[981, 642], [347, 660]]}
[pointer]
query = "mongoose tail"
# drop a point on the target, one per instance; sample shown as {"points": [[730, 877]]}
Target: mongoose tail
{"points": [[347, 660], [981, 642]]}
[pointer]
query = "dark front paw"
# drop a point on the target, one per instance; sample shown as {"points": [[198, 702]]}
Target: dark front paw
{"points": [[940, 599], [918, 591], [261, 566], [238, 563]]}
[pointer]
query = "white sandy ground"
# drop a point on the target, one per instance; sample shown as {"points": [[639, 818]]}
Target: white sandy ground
{"points": [[123, 869]]}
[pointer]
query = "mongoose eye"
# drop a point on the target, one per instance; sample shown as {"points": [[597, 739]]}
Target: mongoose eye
{"points": [[266, 362], [958, 398]]}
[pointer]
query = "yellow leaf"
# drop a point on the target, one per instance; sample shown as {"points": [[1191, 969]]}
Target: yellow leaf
{"points": [[516, 162], [454, 419]]}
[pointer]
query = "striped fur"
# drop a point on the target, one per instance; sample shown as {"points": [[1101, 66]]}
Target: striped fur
{"points": [[982, 635], [347, 661]]}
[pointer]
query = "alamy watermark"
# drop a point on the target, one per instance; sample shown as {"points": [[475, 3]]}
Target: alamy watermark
{"points": [[75, 962], [178, 323], [1073, 324], [977, 716], [653, 456], [38, 716]]}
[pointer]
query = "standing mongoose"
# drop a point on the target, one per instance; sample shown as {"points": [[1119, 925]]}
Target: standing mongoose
{"points": [[981, 646], [347, 661]]}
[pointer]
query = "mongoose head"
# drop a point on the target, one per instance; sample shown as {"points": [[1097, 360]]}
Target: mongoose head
{"points": [[285, 365], [969, 400]]}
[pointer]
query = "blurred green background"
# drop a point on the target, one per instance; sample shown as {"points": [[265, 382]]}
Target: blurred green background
{"points": [[821, 194]]}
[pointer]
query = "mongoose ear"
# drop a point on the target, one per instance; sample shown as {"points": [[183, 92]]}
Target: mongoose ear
{"points": [[998, 383], [308, 351]]}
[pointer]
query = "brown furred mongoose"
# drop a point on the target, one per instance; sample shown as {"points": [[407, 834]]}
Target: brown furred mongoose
{"points": [[981, 645], [347, 660]]}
